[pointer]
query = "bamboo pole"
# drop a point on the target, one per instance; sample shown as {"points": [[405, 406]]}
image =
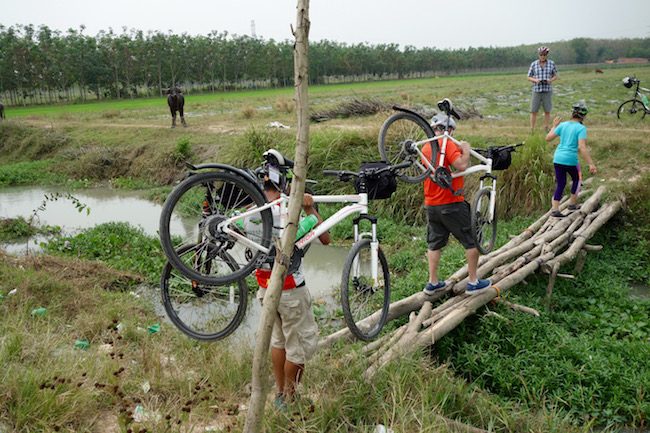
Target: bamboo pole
{"points": [[259, 387]]}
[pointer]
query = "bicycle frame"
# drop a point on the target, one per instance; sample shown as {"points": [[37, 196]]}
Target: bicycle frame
{"points": [[358, 205], [485, 166], [640, 96]]}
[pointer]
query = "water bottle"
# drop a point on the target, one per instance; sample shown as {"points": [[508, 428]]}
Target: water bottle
{"points": [[305, 225]]}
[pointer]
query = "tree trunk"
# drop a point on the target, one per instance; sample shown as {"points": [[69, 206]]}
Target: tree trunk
{"points": [[255, 414]]}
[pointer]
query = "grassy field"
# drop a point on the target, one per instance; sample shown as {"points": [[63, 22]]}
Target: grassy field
{"points": [[583, 364]]}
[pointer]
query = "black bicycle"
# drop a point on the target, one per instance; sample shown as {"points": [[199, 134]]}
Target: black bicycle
{"points": [[634, 110]]}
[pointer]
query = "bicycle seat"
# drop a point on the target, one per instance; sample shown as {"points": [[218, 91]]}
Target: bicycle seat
{"points": [[274, 157]]}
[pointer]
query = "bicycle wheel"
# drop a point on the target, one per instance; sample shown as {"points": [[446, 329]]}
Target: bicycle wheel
{"points": [[205, 313], [484, 228], [360, 296], [631, 111], [397, 130], [192, 214]]}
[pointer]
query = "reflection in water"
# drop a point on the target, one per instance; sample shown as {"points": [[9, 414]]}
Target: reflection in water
{"points": [[323, 265], [106, 205]]}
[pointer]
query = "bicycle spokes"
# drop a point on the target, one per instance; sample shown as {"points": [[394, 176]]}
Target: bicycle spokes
{"points": [[202, 311], [204, 210], [362, 294], [483, 220]]}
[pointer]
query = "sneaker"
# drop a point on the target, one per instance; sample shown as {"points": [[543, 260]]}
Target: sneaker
{"points": [[557, 214], [279, 402], [477, 287], [431, 288], [574, 207]]}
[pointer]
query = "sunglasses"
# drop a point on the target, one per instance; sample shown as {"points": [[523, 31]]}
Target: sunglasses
{"points": [[443, 128]]}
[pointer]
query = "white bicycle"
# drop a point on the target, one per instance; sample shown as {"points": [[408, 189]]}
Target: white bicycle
{"points": [[226, 219], [401, 138]]}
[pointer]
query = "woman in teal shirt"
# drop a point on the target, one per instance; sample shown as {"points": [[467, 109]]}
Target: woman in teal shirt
{"points": [[573, 140]]}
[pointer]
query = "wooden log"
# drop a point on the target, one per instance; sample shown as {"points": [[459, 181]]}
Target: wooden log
{"points": [[518, 307], [581, 240], [537, 249]]}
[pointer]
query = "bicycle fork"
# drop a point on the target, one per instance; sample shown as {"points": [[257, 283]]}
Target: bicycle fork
{"points": [[374, 247], [493, 192]]}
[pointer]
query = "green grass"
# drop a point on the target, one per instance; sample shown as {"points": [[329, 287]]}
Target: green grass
{"points": [[584, 362], [48, 385]]}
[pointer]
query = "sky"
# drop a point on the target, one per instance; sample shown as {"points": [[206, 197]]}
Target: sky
{"points": [[420, 23]]}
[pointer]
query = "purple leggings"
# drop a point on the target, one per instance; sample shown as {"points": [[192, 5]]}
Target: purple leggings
{"points": [[560, 179]]}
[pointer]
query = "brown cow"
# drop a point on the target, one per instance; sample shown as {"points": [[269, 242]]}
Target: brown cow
{"points": [[599, 71], [176, 101]]}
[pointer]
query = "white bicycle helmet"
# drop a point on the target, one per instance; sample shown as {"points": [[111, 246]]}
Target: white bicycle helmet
{"points": [[441, 120], [542, 50], [275, 169]]}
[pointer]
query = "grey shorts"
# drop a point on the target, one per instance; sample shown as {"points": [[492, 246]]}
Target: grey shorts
{"points": [[541, 98], [451, 218], [295, 329]]}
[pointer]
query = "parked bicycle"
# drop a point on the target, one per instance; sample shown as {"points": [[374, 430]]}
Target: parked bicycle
{"points": [[215, 228], [401, 138], [635, 109]]}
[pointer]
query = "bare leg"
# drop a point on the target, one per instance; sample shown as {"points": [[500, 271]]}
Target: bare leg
{"points": [[533, 119], [433, 257], [472, 263], [555, 204], [547, 120], [278, 358], [292, 376]]}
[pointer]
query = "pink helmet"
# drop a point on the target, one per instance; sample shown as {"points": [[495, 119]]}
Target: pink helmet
{"points": [[542, 50]]}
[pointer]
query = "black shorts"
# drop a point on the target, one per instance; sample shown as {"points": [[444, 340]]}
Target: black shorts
{"points": [[451, 218]]}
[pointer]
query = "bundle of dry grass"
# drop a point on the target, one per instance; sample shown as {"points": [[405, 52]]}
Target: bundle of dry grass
{"points": [[351, 108]]}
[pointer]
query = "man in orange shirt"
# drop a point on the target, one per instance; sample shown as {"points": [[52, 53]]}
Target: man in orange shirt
{"points": [[449, 213]]}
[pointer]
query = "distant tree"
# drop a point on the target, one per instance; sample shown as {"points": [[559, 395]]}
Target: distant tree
{"points": [[580, 46]]}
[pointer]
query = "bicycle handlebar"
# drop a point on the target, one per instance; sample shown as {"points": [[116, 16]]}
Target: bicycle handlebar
{"points": [[346, 175], [499, 148]]}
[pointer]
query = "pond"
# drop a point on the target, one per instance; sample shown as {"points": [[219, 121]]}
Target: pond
{"points": [[323, 265]]}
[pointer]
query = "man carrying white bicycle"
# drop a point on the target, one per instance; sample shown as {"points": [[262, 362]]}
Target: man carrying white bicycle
{"points": [[448, 212], [295, 332]]}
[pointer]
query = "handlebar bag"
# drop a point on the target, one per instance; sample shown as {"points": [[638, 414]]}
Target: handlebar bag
{"points": [[501, 159], [379, 186]]}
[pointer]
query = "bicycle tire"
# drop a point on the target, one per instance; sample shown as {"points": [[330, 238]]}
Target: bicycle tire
{"points": [[203, 312], [484, 230], [395, 131], [631, 111], [355, 290], [201, 202]]}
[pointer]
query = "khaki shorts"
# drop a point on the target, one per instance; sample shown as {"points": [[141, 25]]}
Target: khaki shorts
{"points": [[295, 329], [543, 99]]}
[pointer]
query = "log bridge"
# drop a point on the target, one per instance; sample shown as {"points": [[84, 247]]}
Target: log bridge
{"points": [[544, 246]]}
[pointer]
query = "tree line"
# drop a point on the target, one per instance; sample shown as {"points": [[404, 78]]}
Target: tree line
{"points": [[41, 65]]}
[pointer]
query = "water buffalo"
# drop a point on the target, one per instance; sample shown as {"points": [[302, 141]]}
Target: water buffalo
{"points": [[2, 111], [176, 101]]}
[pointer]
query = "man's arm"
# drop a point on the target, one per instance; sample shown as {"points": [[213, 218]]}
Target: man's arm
{"points": [[310, 209], [462, 162]]}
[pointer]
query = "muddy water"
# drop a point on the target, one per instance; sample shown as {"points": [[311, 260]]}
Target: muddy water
{"points": [[322, 265]]}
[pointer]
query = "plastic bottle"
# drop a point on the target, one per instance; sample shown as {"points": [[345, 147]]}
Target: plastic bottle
{"points": [[305, 225], [40, 311]]}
